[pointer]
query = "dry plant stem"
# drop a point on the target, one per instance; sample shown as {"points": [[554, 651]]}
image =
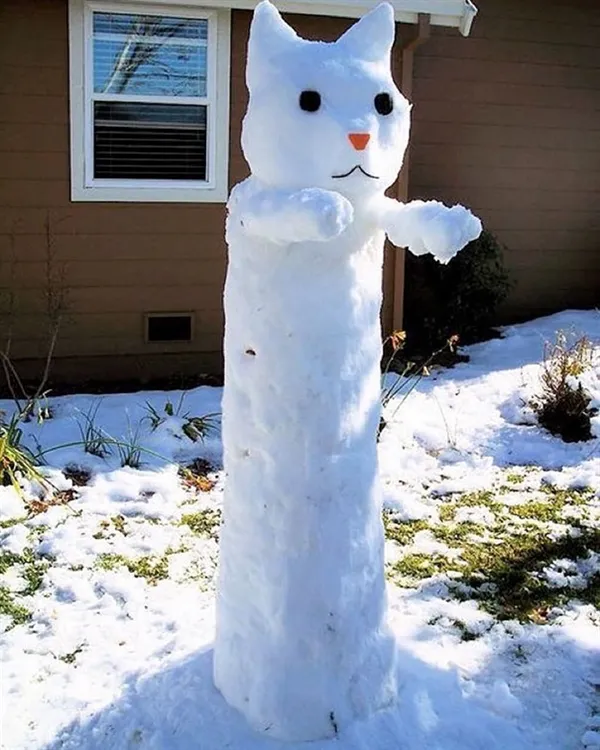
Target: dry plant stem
{"points": [[42, 384], [10, 373], [56, 305], [410, 372], [12, 378]]}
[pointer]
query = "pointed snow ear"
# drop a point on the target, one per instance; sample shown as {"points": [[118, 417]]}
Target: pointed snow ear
{"points": [[270, 35], [372, 37]]}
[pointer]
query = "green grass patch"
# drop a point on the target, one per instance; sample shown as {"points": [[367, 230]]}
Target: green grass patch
{"points": [[402, 532], [7, 523], [35, 533], [539, 510], [33, 571], [415, 567], [568, 496], [513, 567], [119, 523], [484, 498], [106, 526], [205, 522], [152, 568], [8, 559], [18, 613], [454, 534], [550, 508], [71, 657], [34, 575], [502, 564]]}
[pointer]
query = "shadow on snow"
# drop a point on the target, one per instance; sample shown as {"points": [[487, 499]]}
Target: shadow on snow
{"points": [[180, 709]]}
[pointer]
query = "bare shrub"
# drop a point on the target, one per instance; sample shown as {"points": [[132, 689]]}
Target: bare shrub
{"points": [[563, 405], [31, 401]]}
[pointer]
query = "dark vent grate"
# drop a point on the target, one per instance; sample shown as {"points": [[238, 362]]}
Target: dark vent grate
{"points": [[173, 327]]}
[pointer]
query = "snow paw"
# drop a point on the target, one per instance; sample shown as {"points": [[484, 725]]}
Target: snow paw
{"points": [[447, 230], [330, 212]]}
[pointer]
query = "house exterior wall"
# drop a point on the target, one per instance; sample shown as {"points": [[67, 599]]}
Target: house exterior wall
{"points": [[507, 121], [120, 260]]}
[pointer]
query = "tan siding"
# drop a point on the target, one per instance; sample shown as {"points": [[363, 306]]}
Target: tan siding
{"points": [[104, 325], [34, 138], [28, 81], [508, 122], [115, 247], [178, 369], [508, 71], [108, 345], [45, 110], [129, 273], [156, 298], [564, 13], [428, 132], [120, 260]]}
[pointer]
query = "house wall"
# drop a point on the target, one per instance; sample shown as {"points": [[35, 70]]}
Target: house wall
{"points": [[507, 121], [120, 259]]}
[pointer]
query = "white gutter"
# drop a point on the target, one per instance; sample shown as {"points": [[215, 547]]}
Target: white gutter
{"points": [[470, 11], [458, 14]]}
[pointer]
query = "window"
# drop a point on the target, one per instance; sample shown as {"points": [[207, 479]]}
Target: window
{"points": [[149, 102]]}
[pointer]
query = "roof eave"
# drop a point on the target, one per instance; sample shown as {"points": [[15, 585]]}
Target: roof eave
{"points": [[457, 14]]}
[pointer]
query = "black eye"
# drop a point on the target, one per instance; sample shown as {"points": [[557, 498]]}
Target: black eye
{"points": [[310, 101], [384, 104]]}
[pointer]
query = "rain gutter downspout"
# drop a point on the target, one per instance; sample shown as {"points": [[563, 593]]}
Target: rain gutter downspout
{"points": [[420, 35]]}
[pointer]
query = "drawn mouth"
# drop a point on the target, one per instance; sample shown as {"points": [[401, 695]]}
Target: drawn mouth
{"points": [[347, 174]]}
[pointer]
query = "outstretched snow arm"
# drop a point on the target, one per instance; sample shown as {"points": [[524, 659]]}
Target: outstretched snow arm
{"points": [[429, 227], [286, 216]]}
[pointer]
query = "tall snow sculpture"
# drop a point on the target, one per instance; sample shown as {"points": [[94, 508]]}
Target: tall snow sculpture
{"points": [[302, 648]]}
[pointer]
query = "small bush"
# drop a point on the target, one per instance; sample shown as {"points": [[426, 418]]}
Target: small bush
{"points": [[563, 405], [458, 298]]}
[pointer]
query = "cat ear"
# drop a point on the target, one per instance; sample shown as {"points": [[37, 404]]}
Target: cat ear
{"points": [[270, 35], [371, 38]]}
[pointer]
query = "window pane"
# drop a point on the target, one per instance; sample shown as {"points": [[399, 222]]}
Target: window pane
{"points": [[149, 141], [152, 55]]}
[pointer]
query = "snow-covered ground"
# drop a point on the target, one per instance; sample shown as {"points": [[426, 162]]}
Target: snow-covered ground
{"points": [[106, 589]]}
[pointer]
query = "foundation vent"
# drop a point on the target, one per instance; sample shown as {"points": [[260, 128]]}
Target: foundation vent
{"points": [[169, 327]]}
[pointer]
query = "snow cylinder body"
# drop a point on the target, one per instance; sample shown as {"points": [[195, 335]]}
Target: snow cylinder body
{"points": [[302, 647]]}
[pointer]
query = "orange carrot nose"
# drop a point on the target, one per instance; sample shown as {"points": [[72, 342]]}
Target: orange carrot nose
{"points": [[359, 140]]}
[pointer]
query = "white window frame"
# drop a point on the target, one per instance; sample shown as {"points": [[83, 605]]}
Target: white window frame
{"points": [[84, 187]]}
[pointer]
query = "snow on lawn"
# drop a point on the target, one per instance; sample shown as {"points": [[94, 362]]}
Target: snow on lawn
{"points": [[107, 584]]}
